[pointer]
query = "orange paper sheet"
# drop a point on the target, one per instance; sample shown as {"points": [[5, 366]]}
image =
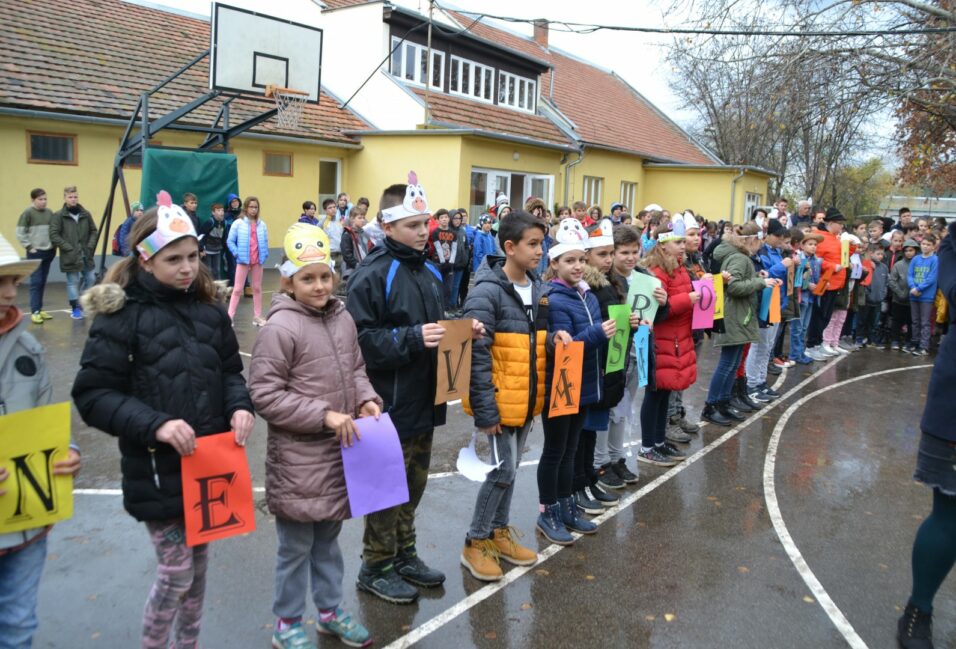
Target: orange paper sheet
{"points": [[217, 490], [775, 305], [566, 381]]}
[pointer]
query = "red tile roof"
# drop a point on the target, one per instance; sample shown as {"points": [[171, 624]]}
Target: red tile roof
{"points": [[339, 4], [605, 110], [94, 57], [456, 111]]}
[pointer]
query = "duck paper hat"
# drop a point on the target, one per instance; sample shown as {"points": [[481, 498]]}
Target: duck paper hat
{"points": [[172, 224], [570, 236], [601, 235], [415, 203], [304, 245]]}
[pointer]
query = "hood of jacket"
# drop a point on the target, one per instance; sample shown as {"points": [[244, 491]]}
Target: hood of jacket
{"points": [[284, 302], [111, 297], [724, 250], [595, 278]]}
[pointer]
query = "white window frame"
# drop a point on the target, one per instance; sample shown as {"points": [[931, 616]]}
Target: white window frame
{"points": [[751, 200], [490, 189], [521, 101], [420, 52], [457, 63], [628, 194], [593, 192]]}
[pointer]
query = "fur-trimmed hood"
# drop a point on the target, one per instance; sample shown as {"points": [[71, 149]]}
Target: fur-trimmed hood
{"points": [[111, 297], [533, 203], [595, 278]]}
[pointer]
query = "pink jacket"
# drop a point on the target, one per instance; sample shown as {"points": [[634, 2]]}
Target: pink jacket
{"points": [[306, 363]]}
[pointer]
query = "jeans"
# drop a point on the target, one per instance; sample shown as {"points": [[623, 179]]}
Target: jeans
{"points": [[307, 550], [675, 408], [759, 356], [20, 573], [493, 505], [455, 287], [654, 417], [806, 314], [556, 468], [76, 283], [609, 444], [38, 278], [921, 314], [797, 340], [822, 312], [722, 382]]}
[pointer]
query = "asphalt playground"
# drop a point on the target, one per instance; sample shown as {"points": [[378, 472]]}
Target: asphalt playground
{"points": [[792, 529]]}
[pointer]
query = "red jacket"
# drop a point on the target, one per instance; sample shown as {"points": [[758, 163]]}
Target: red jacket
{"points": [[676, 359], [829, 253]]}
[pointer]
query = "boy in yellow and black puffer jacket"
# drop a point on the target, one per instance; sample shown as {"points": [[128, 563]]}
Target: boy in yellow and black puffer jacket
{"points": [[507, 383]]}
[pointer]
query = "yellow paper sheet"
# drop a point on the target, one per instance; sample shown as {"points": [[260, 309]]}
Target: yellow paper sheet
{"points": [[31, 441], [718, 296]]}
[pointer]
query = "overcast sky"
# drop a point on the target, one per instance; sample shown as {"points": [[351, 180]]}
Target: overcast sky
{"points": [[636, 57]]}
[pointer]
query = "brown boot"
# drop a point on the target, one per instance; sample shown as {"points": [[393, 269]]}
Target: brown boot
{"points": [[510, 550], [480, 556]]}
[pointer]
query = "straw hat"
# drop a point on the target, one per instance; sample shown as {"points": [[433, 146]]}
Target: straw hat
{"points": [[12, 264]]}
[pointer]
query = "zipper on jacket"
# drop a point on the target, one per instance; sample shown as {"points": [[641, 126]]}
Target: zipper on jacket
{"points": [[597, 359], [152, 463]]}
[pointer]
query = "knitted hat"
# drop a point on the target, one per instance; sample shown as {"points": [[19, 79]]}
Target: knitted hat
{"points": [[172, 224], [775, 227], [600, 235], [10, 262], [485, 218], [615, 206], [304, 245], [570, 236], [135, 205], [415, 203], [502, 200]]}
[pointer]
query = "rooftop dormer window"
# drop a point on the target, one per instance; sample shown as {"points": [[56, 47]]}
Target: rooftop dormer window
{"points": [[471, 79], [410, 62], [516, 92]]}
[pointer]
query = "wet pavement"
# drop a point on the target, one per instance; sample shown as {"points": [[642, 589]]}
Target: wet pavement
{"points": [[691, 558]]}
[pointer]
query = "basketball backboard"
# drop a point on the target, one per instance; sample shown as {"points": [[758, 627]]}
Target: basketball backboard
{"points": [[250, 51]]}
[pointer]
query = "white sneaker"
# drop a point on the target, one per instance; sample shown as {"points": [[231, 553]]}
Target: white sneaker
{"points": [[840, 350], [816, 354], [829, 351]]}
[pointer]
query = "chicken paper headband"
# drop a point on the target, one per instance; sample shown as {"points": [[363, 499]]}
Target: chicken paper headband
{"points": [[304, 245], [602, 235], [415, 203], [570, 236], [172, 224]]}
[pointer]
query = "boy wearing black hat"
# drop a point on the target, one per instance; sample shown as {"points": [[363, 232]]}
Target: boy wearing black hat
{"points": [[832, 279]]}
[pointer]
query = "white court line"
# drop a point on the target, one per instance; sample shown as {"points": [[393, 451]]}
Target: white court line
{"points": [[516, 573], [773, 508]]}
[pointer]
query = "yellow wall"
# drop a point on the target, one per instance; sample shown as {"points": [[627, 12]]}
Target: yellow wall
{"points": [[704, 191], [500, 155], [96, 146], [613, 167]]}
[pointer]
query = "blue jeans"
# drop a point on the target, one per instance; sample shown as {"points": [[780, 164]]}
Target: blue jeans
{"points": [[493, 506], [38, 278], [78, 282], [456, 286], [20, 575], [797, 339], [806, 314], [725, 373]]}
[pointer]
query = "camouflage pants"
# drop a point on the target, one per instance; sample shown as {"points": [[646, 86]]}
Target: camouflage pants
{"points": [[391, 530], [178, 591]]}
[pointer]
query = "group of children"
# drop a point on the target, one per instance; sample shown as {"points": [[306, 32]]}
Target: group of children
{"points": [[159, 331]]}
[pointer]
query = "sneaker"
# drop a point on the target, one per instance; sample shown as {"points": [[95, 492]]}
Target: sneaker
{"points": [[741, 406], [847, 347], [608, 478], [510, 550], [45, 315], [730, 412], [688, 427], [829, 351], [676, 435], [655, 457], [572, 518], [259, 322], [915, 629], [755, 394], [343, 627], [385, 583], [294, 637], [816, 353], [586, 504], [895, 346], [36, 318], [607, 499], [672, 452], [805, 360], [920, 352], [480, 557], [551, 525], [77, 312], [780, 362], [411, 568], [774, 370], [620, 468], [767, 391]]}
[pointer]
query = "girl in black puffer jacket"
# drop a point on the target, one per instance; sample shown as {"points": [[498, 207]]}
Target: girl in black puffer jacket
{"points": [[160, 368]]}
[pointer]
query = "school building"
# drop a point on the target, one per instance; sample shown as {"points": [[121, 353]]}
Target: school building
{"points": [[500, 113]]}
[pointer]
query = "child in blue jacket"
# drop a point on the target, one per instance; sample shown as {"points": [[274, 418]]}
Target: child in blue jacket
{"points": [[484, 244], [573, 314], [921, 277], [249, 244]]}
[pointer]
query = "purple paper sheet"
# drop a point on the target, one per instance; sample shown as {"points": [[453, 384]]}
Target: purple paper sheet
{"points": [[375, 468]]}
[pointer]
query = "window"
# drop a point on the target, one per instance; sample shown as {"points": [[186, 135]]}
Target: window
{"points": [[135, 161], [329, 182], [593, 190], [751, 201], [276, 163], [51, 148], [471, 79], [516, 92], [487, 184], [410, 62], [628, 195]]}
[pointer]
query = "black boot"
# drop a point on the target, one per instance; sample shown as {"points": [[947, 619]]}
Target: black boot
{"points": [[740, 386], [730, 413], [736, 402], [713, 415], [915, 629]]}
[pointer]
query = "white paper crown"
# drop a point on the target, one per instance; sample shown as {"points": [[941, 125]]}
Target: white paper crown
{"points": [[172, 224], [570, 236], [653, 207], [415, 203], [602, 235]]}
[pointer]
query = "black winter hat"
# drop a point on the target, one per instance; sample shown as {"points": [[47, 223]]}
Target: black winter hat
{"points": [[834, 215], [776, 227]]}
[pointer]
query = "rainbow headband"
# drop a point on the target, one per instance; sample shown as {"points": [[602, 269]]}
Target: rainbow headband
{"points": [[172, 224]]}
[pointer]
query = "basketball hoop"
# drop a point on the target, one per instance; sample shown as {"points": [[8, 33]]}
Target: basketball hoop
{"points": [[289, 103]]}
